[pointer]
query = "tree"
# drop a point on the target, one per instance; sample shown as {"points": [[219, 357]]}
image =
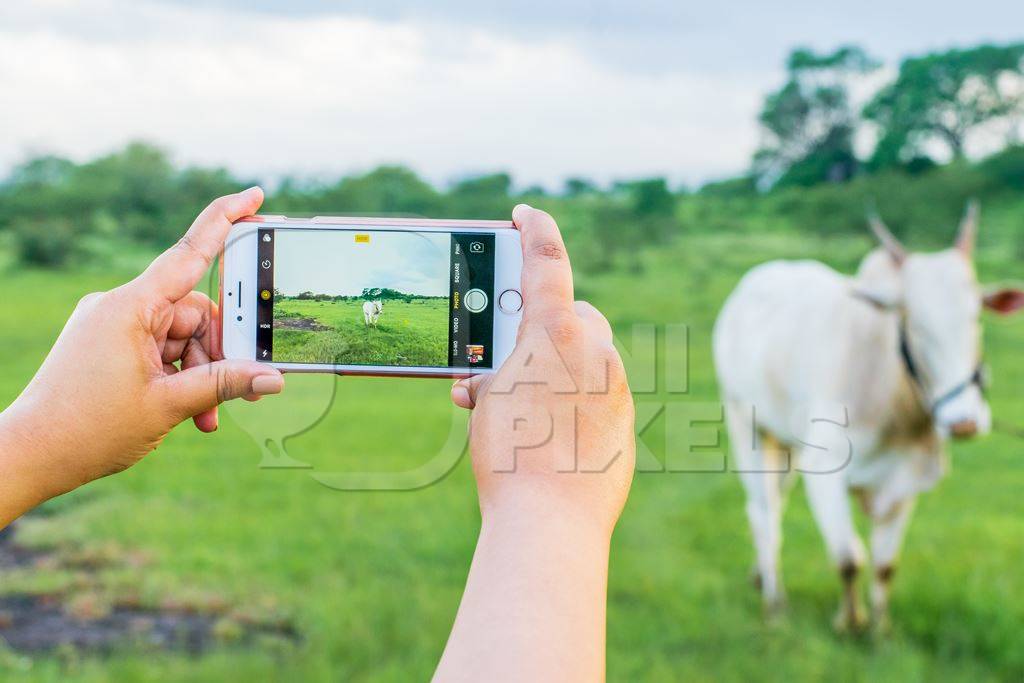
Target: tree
{"points": [[809, 123], [388, 190], [481, 197], [651, 208], [941, 98], [650, 197], [136, 188], [576, 187]]}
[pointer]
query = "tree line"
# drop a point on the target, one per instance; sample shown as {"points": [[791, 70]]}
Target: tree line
{"points": [[806, 175], [53, 210], [926, 113], [368, 294]]}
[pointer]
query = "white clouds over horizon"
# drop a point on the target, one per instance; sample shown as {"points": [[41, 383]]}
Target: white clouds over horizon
{"points": [[409, 262], [319, 92]]}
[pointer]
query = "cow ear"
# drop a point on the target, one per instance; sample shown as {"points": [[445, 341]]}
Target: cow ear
{"points": [[1004, 301], [881, 297]]}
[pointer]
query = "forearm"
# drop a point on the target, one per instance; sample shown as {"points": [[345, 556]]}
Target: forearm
{"points": [[25, 468], [534, 605]]}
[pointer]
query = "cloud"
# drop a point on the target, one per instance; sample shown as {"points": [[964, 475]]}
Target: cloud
{"points": [[414, 263], [544, 90], [268, 95]]}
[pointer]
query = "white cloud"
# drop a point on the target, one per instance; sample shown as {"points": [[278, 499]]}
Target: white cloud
{"points": [[414, 263], [544, 90], [268, 95]]}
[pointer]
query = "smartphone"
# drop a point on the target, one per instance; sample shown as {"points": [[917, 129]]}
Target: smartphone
{"points": [[371, 296]]}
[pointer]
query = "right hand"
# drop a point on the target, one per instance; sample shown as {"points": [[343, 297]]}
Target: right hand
{"points": [[552, 431]]}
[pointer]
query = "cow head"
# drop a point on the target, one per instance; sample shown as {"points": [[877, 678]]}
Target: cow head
{"points": [[378, 305], [939, 301]]}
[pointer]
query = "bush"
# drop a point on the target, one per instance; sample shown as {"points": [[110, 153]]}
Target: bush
{"points": [[1006, 168], [50, 242]]}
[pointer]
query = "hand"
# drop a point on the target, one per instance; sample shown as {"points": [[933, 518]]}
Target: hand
{"points": [[552, 430], [553, 453], [109, 391]]}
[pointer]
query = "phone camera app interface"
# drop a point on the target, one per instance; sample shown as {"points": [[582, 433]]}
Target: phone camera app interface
{"points": [[355, 296]]}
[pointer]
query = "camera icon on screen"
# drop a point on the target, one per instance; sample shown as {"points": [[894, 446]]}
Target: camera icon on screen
{"points": [[476, 247]]}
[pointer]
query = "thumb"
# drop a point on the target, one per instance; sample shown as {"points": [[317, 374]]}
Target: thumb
{"points": [[193, 391], [466, 392]]}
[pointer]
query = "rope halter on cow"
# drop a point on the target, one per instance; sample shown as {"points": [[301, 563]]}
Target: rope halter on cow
{"points": [[965, 243], [978, 378]]}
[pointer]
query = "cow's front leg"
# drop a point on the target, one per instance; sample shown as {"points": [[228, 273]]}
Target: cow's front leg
{"points": [[887, 534], [825, 481]]}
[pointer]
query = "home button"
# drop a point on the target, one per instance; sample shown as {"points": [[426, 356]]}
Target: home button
{"points": [[510, 301]]}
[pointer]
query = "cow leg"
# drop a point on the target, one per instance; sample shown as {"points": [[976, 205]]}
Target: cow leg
{"points": [[826, 486], [887, 533], [762, 466]]}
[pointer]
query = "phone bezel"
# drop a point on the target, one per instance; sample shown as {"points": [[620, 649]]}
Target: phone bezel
{"points": [[238, 264]]}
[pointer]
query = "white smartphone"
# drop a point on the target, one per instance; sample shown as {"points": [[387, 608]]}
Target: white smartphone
{"points": [[371, 296]]}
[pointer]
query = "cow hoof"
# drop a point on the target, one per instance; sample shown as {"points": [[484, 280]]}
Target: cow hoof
{"points": [[775, 611], [850, 623], [881, 625], [775, 617]]}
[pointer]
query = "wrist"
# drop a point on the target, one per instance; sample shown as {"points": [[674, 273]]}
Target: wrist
{"points": [[27, 477], [553, 518]]}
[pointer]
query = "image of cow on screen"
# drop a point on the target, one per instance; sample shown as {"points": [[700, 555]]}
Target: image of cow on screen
{"points": [[346, 297]]}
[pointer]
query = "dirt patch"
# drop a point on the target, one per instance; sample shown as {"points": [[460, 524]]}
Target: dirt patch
{"points": [[41, 623], [13, 556], [85, 621], [301, 324]]}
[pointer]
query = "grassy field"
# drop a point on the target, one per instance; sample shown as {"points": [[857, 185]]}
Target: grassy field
{"points": [[406, 334], [372, 580]]}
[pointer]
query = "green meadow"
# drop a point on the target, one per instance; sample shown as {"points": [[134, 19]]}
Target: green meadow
{"points": [[413, 333], [371, 579]]}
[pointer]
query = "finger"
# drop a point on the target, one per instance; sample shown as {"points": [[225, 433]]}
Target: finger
{"points": [[175, 272], [193, 315], [595, 321], [173, 350], [192, 320], [547, 275], [199, 388], [467, 392], [195, 356], [207, 421]]}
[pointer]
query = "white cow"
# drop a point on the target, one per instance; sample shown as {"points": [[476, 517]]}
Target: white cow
{"points": [[855, 382], [371, 311]]}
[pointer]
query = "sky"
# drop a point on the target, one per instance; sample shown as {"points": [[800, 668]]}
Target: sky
{"points": [[544, 90], [307, 260]]}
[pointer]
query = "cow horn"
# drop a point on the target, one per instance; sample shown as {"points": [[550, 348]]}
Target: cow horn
{"points": [[887, 239], [968, 232]]}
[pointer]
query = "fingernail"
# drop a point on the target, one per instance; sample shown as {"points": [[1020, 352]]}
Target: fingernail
{"points": [[252, 190], [460, 395], [267, 384]]}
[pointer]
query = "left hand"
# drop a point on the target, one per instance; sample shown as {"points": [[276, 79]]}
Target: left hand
{"points": [[110, 390]]}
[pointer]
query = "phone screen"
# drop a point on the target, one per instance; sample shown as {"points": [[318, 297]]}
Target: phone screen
{"points": [[392, 298]]}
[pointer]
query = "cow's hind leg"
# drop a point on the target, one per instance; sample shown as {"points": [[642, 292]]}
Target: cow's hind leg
{"points": [[887, 533], [825, 481], [762, 465]]}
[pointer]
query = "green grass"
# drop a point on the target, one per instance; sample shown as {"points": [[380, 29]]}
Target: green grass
{"points": [[406, 334], [372, 580]]}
